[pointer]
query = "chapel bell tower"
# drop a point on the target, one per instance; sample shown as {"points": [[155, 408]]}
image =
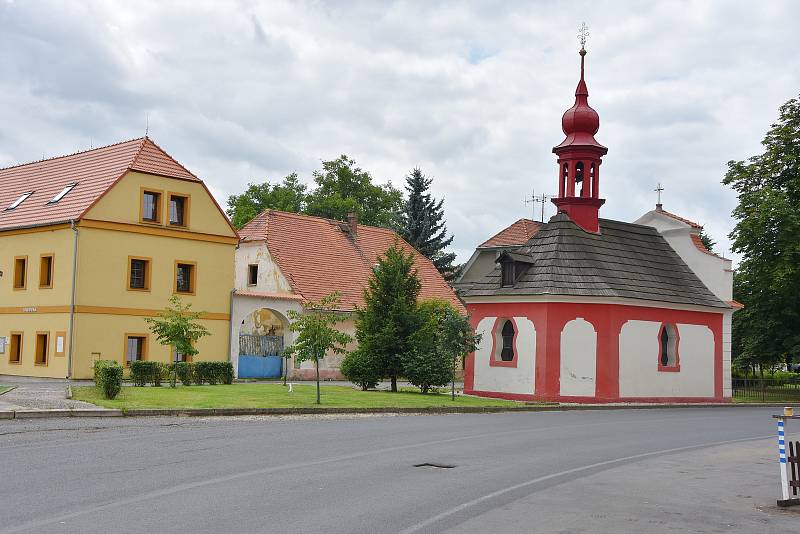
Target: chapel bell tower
{"points": [[579, 158]]}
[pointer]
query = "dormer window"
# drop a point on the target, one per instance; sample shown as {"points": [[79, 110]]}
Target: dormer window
{"points": [[61, 194], [19, 200], [508, 273]]}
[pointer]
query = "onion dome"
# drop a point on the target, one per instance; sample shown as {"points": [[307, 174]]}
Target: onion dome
{"points": [[581, 121]]}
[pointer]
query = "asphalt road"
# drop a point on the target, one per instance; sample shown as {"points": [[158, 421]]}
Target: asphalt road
{"points": [[521, 472]]}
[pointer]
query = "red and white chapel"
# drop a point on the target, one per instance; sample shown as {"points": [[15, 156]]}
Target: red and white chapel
{"points": [[597, 310]]}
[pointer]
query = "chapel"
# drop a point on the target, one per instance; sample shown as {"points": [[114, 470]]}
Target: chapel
{"points": [[596, 310]]}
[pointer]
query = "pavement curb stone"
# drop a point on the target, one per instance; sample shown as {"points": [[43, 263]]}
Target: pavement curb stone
{"points": [[210, 412]]}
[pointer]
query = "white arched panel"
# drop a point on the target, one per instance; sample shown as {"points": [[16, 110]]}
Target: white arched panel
{"points": [[578, 359]]}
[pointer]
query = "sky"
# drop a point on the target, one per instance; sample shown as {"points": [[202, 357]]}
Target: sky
{"points": [[470, 92]]}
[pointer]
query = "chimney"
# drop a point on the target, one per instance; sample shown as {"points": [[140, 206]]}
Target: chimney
{"points": [[352, 222]]}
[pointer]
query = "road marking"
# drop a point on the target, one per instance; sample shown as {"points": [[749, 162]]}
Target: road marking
{"points": [[438, 517]]}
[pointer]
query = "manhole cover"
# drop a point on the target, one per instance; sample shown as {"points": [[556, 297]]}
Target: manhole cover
{"points": [[434, 466]]}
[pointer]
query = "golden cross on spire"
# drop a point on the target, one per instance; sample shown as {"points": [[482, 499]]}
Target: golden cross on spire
{"points": [[583, 33]]}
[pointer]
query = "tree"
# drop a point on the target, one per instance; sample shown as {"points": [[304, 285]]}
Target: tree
{"points": [[178, 328], [288, 195], [342, 188], [317, 333], [707, 240], [767, 235], [387, 321], [442, 338], [457, 339], [422, 223]]}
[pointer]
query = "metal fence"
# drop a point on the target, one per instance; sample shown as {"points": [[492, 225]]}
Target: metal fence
{"points": [[251, 345], [766, 389]]}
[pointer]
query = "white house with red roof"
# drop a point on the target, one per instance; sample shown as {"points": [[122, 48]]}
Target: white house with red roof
{"points": [[285, 259], [594, 310]]}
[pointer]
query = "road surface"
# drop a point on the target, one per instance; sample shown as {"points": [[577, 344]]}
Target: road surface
{"points": [[664, 470]]}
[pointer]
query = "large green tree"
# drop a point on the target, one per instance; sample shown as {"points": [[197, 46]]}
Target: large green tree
{"points": [[767, 235], [423, 225], [343, 187], [387, 321], [340, 187], [287, 195]]}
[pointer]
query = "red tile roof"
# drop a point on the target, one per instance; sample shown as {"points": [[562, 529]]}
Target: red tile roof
{"points": [[94, 171], [319, 256], [517, 234], [678, 218]]}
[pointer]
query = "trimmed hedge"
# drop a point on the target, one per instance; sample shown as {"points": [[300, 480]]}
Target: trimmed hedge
{"points": [[108, 377], [213, 373], [143, 372], [185, 372]]}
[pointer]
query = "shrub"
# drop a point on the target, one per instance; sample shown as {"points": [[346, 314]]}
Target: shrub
{"points": [[185, 373], [143, 371], [360, 368], [213, 372], [427, 364], [108, 377]]}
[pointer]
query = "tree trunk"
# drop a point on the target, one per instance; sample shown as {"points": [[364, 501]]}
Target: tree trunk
{"points": [[285, 369], [394, 384], [316, 362]]}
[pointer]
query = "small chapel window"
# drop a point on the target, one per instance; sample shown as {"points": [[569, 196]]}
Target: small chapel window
{"points": [[507, 333], [668, 347]]}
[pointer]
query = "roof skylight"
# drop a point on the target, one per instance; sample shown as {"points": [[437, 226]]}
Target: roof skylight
{"points": [[62, 193], [19, 201]]}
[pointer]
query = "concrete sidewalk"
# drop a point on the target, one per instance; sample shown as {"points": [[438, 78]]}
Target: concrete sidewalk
{"points": [[38, 394]]}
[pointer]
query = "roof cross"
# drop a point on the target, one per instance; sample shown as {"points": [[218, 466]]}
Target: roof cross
{"points": [[658, 191]]}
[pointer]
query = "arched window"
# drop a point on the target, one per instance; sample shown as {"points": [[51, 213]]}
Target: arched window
{"points": [[668, 347], [592, 181], [507, 333], [564, 179]]}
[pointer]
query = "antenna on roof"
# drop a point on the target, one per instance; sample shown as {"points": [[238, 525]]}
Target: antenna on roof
{"points": [[543, 199], [532, 201], [146, 124]]}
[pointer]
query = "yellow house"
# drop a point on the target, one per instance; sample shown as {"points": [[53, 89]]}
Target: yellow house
{"points": [[92, 243]]}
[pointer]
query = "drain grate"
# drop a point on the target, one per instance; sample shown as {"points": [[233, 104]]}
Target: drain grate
{"points": [[428, 465]]}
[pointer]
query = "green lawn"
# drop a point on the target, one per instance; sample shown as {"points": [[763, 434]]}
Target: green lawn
{"points": [[271, 396], [3, 389]]}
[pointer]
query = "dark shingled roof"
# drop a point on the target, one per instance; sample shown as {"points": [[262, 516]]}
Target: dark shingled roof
{"points": [[624, 260]]}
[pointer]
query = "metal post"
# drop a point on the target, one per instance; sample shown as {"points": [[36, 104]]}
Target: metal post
{"points": [[782, 458]]}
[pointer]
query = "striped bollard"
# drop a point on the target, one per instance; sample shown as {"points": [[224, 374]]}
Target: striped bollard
{"points": [[782, 459]]}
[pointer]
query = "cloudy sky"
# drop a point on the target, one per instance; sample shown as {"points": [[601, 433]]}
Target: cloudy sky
{"points": [[471, 92]]}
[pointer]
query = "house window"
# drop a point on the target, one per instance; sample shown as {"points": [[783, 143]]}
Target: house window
{"points": [[507, 341], [15, 349], [508, 274], [61, 194], [135, 348], [20, 272], [20, 199], [668, 348], [178, 356], [184, 277], [42, 346], [252, 274], [151, 206], [178, 210], [46, 271], [139, 274]]}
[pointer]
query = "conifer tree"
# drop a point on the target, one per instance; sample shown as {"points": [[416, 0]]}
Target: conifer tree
{"points": [[422, 223], [385, 325]]}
